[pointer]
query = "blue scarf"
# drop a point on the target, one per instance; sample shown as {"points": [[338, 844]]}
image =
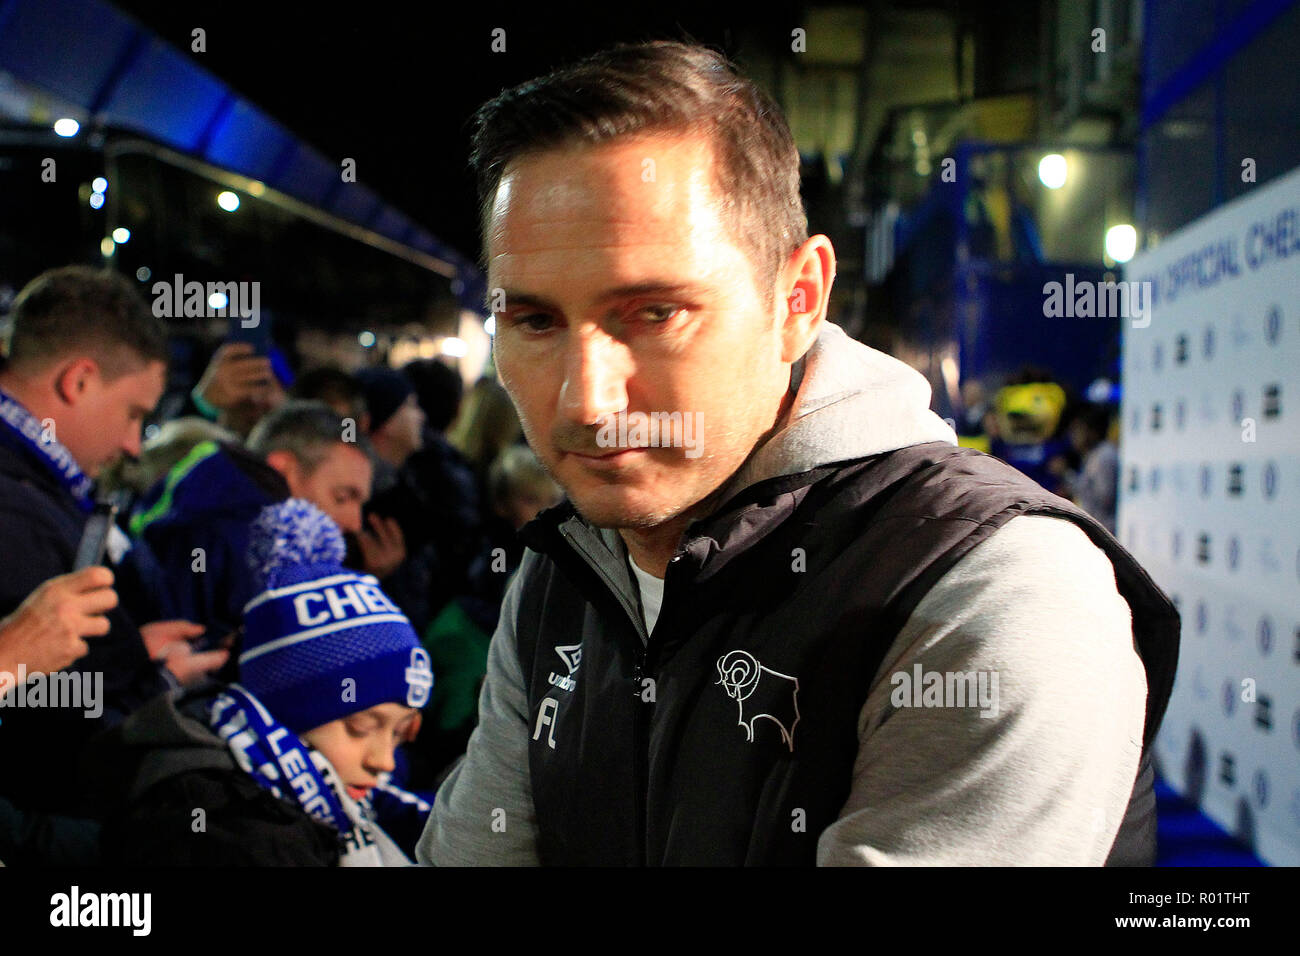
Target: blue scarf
{"points": [[22, 429], [278, 759]]}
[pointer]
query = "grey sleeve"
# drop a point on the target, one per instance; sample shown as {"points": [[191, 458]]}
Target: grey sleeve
{"points": [[1044, 775], [483, 812]]}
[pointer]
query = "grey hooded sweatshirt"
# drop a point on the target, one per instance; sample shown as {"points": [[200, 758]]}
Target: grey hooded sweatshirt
{"points": [[1046, 781]]}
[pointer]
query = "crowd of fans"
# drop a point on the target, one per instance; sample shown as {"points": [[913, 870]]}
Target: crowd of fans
{"points": [[381, 501], [281, 655]]}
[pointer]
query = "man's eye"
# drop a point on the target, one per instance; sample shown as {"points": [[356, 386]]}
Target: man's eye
{"points": [[534, 321], [658, 313]]}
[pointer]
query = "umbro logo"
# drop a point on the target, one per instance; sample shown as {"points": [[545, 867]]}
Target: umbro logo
{"points": [[571, 655]]}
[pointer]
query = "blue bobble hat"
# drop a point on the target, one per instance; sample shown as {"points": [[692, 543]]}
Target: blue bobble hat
{"points": [[322, 642]]}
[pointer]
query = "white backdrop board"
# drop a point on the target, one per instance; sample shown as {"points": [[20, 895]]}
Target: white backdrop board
{"points": [[1210, 503]]}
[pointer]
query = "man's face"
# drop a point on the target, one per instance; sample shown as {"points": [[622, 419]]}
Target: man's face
{"points": [[263, 400], [361, 746], [106, 419], [406, 427], [338, 486], [624, 291]]}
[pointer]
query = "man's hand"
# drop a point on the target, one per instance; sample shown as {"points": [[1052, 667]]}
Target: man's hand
{"points": [[168, 641], [46, 632], [384, 548], [235, 374]]}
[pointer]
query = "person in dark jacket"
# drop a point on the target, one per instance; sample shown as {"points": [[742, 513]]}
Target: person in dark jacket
{"points": [[46, 633], [450, 496], [86, 363], [196, 519], [781, 618], [280, 768], [458, 637], [400, 510]]}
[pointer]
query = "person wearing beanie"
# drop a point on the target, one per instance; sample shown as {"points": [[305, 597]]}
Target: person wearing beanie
{"points": [[395, 426], [209, 499], [396, 418], [401, 510], [290, 764]]}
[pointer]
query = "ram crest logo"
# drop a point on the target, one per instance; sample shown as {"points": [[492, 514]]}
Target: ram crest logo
{"points": [[760, 692]]}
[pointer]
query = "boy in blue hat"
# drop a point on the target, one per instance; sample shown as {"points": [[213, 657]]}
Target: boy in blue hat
{"points": [[290, 765]]}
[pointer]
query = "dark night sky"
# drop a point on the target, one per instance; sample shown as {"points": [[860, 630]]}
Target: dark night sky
{"points": [[394, 86]]}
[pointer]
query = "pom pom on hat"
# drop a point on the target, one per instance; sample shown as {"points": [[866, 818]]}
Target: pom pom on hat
{"points": [[289, 535]]}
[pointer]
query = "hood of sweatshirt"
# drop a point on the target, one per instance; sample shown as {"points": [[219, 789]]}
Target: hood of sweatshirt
{"points": [[851, 401], [161, 739]]}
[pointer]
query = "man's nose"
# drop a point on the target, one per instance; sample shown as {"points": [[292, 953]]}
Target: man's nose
{"points": [[595, 380], [133, 442], [351, 519]]}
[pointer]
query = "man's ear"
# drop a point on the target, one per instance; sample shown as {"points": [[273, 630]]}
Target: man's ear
{"points": [[806, 286], [287, 465], [72, 377]]}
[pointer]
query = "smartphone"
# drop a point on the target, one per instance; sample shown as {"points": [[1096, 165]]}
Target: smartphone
{"points": [[258, 336], [94, 537]]}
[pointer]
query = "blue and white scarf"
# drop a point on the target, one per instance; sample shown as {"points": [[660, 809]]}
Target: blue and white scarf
{"points": [[281, 762], [22, 429]]}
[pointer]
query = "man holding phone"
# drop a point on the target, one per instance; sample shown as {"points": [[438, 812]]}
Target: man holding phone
{"points": [[85, 364], [244, 382], [48, 631]]}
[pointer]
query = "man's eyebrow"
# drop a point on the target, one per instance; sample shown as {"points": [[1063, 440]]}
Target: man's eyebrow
{"points": [[632, 290], [650, 288], [513, 298]]}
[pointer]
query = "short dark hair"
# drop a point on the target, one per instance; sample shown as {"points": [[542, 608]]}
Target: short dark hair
{"points": [[1094, 417], [439, 389], [305, 429], [332, 385], [657, 87], [80, 309]]}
